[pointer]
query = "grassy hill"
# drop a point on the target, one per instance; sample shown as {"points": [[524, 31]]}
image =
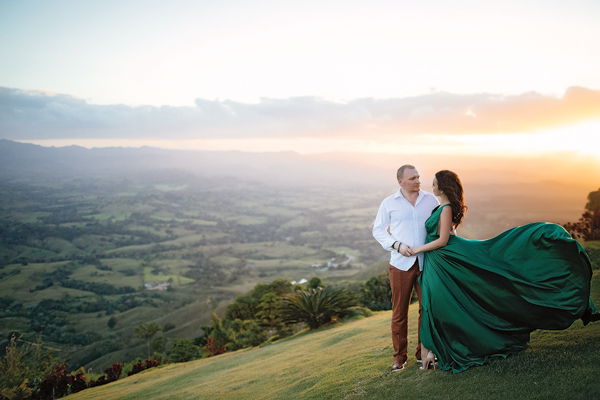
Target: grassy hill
{"points": [[353, 360]]}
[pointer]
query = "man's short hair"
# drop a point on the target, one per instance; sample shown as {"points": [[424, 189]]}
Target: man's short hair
{"points": [[400, 173]]}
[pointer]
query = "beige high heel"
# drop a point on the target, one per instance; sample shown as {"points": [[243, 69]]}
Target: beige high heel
{"points": [[428, 362]]}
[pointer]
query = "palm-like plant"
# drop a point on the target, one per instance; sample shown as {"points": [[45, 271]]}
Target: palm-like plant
{"points": [[316, 306]]}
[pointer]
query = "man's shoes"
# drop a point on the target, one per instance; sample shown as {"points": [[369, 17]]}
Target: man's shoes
{"points": [[398, 366]]}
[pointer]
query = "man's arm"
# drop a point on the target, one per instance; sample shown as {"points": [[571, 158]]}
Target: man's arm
{"points": [[380, 233]]}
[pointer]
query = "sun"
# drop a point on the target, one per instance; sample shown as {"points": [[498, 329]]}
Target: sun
{"points": [[582, 139]]}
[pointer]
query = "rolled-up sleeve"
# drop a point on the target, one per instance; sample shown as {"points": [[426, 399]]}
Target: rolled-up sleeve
{"points": [[380, 233]]}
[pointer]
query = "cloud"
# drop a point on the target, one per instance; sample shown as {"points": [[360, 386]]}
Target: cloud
{"points": [[36, 114]]}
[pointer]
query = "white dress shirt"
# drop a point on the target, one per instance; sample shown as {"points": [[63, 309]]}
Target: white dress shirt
{"points": [[398, 221]]}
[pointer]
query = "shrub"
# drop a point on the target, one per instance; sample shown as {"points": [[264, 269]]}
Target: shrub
{"points": [[376, 293], [358, 312], [213, 347], [114, 372], [184, 350], [587, 228], [77, 382], [56, 384], [245, 307], [216, 336], [315, 282], [241, 334], [111, 374], [139, 367], [316, 306]]}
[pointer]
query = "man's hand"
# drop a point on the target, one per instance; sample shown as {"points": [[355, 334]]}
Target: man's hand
{"points": [[405, 250]]}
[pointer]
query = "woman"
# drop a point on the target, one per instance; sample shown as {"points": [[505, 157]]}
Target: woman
{"points": [[481, 299]]}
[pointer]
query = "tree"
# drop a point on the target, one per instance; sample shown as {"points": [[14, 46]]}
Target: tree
{"points": [[242, 308], [14, 372], [314, 283], [112, 322], [183, 350], [281, 287], [316, 306], [376, 293], [243, 334], [269, 313], [218, 339], [587, 228], [158, 344], [593, 204], [147, 331], [245, 307]]}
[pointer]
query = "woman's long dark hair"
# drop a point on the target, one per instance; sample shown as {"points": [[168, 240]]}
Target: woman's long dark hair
{"points": [[449, 183]]}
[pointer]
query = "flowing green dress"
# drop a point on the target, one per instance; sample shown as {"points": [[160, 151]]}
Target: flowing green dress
{"points": [[482, 298]]}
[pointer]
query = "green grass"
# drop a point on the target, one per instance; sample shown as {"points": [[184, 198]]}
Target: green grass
{"points": [[297, 222], [593, 249], [182, 241], [352, 360], [279, 250], [27, 218], [121, 263], [90, 273], [11, 324], [117, 215], [18, 286], [170, 188], [225, 261], [176, 279], [248, 220]]}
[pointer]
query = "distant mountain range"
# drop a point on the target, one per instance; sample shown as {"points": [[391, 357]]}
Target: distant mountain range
{"points": [[19, 159], [558, 172]]}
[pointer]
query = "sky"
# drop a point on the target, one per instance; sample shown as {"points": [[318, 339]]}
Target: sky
{"points": [[467, 77]]}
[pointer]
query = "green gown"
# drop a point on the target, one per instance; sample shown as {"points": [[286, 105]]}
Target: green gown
{"points": [[482, 298]]}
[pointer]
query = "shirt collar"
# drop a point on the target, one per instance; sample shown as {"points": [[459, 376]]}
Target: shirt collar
{"points": [[399, 195]]}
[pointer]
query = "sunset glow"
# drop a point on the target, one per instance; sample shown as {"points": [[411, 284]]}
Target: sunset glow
{"points": [[583, 139], [505, 78]]}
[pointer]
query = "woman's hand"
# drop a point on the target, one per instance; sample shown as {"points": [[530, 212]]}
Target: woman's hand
{"points": [[413, 251]]}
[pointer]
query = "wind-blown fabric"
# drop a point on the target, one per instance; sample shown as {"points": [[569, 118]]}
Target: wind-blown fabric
{"points": [[482, 298]]}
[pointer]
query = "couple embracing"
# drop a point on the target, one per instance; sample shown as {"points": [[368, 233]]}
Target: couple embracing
{"points": [[478, 299]]}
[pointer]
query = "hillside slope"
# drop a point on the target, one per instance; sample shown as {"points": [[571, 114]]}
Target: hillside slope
{"points": [[353, 361]]}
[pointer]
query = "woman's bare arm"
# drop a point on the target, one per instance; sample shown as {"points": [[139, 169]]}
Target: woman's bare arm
{"points": [[445, 225]]}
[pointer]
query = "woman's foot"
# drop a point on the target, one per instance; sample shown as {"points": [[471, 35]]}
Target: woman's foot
{"points": [[589, 316], [428, 361]]}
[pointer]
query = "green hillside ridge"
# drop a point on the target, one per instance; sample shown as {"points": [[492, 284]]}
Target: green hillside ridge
{"points": [[352, 360], [113, 237]]}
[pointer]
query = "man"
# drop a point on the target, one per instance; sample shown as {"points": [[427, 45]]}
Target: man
{"points": [[400, 223]]}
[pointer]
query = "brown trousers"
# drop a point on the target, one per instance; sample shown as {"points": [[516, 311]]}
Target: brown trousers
{"points": [[402, 283]]}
